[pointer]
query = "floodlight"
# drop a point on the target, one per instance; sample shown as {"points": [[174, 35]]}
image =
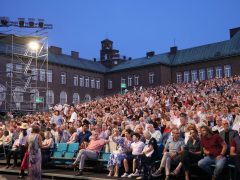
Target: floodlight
{"points": [[41, 23], [21, 22], [31, 22], [33, 45], [4, 21]]}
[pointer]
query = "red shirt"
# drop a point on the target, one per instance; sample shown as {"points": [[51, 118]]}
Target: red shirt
{"points": [[234, 144], [212, 144]]}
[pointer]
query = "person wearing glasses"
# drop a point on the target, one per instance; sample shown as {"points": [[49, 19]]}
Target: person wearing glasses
{"points": [[191, 154], [172, 153], [91, 152], [228, 134]]}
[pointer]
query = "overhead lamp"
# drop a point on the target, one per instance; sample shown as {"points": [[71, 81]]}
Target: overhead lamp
{"points": [[21, 22], [31, 22]]}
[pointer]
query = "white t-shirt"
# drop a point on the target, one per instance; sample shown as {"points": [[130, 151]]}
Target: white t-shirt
{"points": [[137, 147], [73, 117], [157, 135]]}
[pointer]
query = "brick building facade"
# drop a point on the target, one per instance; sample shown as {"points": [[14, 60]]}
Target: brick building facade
{"points": [[72, 79]]}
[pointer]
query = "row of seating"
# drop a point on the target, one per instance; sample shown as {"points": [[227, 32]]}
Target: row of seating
{"points": [[66, 154]]}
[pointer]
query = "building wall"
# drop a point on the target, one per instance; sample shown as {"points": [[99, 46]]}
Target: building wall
{"points": [[233, 61], [161, 76]]}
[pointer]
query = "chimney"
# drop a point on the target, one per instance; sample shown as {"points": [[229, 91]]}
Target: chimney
{"points": [[55, 50], [94, 59], [129, 58], [150, 54], [74, 54], [124, 57], [173, 50], [234, 31]]}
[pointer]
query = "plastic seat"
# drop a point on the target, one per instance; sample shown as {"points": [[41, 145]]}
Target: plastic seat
{"points": [[71, 152]]}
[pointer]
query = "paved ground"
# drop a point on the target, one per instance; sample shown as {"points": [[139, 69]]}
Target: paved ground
{"points": [[61, 172], [12, 177]]}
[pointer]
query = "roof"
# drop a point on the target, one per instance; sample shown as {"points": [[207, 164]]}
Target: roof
{"points": [[106, 40], [135, 63], [209, 52], [76, 63], [186, 56]]}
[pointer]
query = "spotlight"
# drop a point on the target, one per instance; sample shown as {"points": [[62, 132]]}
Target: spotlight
{"points": [[31, 22], [4, 21], [21, 22], [33, 45], [41, 23]]}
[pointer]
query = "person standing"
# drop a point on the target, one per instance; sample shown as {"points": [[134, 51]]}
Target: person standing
{"points": [[214, 148], [34, 143]]}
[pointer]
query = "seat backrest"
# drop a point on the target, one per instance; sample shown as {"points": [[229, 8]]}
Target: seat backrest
{"points": [[73, 147], [105, 156], [61, 147]]}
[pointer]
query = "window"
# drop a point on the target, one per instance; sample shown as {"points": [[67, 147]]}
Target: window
{"points": [[75, 80], [98, 83], [34, 74], [92, 83], [9, 69], [151, 77], [42, 75], [109, 84], [202, 74], [179, 77], [87, 98], [194, 75], [18, 94], [86, 82], [18, 68], [63, 97], [136, 80], [210, 73], [227, 70], [49, 76], [81, 81], [34, 94], [2, 93], [76, 98], [50, 97], [218, 72], [123, 80], [63, 78], [186, 76], [129, 80]]}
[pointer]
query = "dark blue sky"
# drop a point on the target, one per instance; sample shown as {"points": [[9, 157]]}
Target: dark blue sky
{"points": [[135, 26]]}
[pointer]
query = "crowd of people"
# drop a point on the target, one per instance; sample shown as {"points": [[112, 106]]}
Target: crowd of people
{"points": [[197, 122]]}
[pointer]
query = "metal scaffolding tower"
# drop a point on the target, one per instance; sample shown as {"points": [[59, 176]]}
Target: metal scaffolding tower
{"points": [[24, 51]]}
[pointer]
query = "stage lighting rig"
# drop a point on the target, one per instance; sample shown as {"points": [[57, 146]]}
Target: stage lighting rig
{"points": [[40, 24], [4, 21]]}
